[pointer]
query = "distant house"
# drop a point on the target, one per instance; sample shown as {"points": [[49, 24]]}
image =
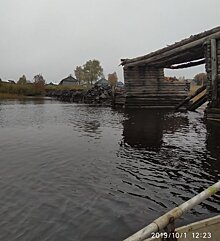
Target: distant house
{"points": [[51, 84], [69, 81], [11, 81], [120, 84], [102, 82], [7, 82]]}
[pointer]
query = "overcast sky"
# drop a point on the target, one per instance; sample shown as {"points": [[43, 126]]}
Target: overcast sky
{"points": [[52, 37]]}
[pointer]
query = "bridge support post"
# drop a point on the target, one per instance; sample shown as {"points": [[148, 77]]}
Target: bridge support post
{"points": [[146, 88], [213, 73]]}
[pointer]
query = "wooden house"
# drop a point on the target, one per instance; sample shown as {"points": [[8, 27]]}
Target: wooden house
{"points": [[69, 81]]}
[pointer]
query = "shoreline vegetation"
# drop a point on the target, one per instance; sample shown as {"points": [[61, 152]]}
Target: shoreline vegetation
{"points": [[11, 96], [13, 91], [86, 76], [8, 96], [96, 94], [89, 86]]}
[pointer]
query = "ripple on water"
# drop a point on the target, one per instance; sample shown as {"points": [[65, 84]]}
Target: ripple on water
{"points": [[76, 172]]}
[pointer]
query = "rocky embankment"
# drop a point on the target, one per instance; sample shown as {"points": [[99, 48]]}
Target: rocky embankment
{"points": [[98, 95]]}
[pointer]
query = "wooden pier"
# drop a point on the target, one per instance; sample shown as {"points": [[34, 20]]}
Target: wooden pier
{"points": [[146, 86]]}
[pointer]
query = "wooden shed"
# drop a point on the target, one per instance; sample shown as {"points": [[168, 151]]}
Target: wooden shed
{"points": [[144, 76]]}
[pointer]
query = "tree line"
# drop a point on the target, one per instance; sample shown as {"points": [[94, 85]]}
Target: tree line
{"points": [[23, 87], [198, 79], [91, 71], [86, 75]]}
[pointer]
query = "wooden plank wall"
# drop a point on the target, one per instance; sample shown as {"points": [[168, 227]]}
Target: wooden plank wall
{"points": [[213, 110], [145, 87], [218, 73], [208, 67]]}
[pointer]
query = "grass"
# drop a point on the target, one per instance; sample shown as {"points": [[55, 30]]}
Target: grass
{"points": [[10, 96], [15, 91], [21, 90]]}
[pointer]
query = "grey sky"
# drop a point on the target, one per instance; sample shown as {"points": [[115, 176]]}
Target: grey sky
{"points": [[52, 37]]}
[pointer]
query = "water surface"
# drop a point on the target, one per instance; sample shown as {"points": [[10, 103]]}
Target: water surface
{"points": [[77, 172]]}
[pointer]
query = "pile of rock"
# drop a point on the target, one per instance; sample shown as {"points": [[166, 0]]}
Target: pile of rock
{"points": [[67, 95], [99, 95]]}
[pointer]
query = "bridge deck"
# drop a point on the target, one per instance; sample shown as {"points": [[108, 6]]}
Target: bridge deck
{"points": [[145, 84]]}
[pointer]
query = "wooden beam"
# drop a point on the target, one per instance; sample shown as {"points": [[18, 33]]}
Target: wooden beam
{"points": [[166, 54], [192, 38], [198, 102], [198, 91], [187, 65], [214, 69], [185, 56], [182, 57]]}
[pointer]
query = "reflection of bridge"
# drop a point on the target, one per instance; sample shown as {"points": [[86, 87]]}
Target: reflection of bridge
{"points": [[144, 76], [145, 129]]}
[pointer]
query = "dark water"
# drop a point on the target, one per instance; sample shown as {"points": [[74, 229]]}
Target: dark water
{"points": [[76, 172]]}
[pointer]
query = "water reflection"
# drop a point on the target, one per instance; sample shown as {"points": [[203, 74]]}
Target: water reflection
{"points": [[91, 126], [213, 139], [211, 162], [33, 101], [71, 180], [213, 146], [165, 160], [28, 100], [144, 128]]}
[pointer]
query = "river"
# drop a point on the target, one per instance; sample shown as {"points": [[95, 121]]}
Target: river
{"points": [[74, 172]]}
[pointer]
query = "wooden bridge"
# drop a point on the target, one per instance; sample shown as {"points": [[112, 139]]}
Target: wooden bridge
{"points": [[146, 86]]}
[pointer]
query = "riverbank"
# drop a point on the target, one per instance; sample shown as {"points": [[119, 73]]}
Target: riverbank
{"points": [[6, 96], [10, 96], [99, 94]]}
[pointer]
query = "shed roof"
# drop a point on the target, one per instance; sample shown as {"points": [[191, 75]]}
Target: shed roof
{"points": [[189, 49]]}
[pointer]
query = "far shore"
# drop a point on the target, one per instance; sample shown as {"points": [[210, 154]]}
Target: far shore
{"points": [[8, 96]]}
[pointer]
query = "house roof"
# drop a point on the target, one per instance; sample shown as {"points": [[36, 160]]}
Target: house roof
{"points": [[7, 81], [51, 83], [11, 81], [189, 49], [102, 81], [69, 79]]}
